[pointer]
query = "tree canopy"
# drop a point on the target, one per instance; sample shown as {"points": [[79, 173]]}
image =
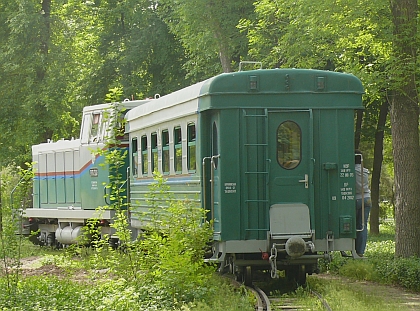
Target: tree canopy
{"points": [[57, 56]]}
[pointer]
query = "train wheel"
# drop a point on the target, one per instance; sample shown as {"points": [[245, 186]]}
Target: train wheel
{"points": [[50, 240], [297, 275], [244, 275], [248, 276], [229, 265], [239, 273], [113, 243]]}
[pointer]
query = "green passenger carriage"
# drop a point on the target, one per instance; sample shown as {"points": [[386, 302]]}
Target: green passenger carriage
{"points": [[270, 154]]}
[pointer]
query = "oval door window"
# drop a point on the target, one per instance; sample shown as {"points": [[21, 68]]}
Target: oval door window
{"points": [[289, 145]]}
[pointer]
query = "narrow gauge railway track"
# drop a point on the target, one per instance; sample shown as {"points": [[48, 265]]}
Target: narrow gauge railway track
{"points": [[266, 303]]}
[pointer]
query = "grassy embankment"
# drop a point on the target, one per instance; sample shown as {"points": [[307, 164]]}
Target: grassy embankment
{"points": [[376, 283], [85, 280]]}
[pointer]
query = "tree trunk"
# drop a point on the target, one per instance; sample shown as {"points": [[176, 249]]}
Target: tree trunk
{"points": [[404, 124], [45, 37], [224, 55], [358, 130], [377, 167]]}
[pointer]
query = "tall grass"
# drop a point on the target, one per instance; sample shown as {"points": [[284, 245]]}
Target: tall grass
{"points": [[379, 264]]}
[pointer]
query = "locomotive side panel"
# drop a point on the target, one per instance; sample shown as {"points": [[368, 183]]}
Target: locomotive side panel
{"points": [[54, 165], [93, 177]]}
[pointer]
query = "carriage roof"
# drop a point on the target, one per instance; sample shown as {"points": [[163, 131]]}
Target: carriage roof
{"points": [[194, 99]]}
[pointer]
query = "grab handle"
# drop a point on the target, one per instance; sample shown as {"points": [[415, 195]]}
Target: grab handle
{"points": [[363, 193]]}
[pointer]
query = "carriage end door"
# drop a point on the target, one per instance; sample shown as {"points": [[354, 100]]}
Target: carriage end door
{"points": [[290, 174]]}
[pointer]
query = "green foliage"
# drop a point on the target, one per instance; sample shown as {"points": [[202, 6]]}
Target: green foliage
{"points": [[175, 244], [49, 293], [380, 264], [359, 270], [14, 186], [57, 57], [214, 46], [344, 294], [114, 95], [386, 210], [169, 255], [37, 70]]}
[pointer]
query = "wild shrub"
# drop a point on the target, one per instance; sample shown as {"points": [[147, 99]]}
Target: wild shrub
{"points": [[15, 185], [169, 255], [124, 261], [360, 270], [380, 264]]}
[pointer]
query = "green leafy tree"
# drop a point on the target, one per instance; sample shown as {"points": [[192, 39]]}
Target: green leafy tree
{"points": [[135, 51], [57, 57], [15, 188], [208, 31], [33, 79]]}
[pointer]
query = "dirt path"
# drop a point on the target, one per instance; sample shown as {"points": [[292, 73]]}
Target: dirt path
{"points": [[409, 300]]}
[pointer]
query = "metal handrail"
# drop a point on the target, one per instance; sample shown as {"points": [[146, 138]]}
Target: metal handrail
{"points": [[213, 168], [204, 182], [363, 193]]}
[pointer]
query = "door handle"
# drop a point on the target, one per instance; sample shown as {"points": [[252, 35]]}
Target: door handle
{"points": [[305, 181]]}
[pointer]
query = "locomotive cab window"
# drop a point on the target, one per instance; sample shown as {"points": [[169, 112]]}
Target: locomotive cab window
{"points": [[165, 152], [177, 150], [289, 145], [154, 152], [95, 130], [144, 156], [191, 147], [86, 127]]}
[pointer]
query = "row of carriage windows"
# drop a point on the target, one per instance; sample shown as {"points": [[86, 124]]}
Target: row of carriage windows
{"points": [[164, 151]]}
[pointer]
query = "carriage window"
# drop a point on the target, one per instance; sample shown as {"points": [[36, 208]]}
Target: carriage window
{"points": [[289, 145], [191, 147], [144, 155], [134, 156], [165, 151], [177, 150], [154, 152]]}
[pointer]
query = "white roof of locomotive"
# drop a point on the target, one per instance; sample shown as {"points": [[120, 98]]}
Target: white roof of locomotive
{"points": [[64, 144], [60, 145], [129, 104], [166, 108]]}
